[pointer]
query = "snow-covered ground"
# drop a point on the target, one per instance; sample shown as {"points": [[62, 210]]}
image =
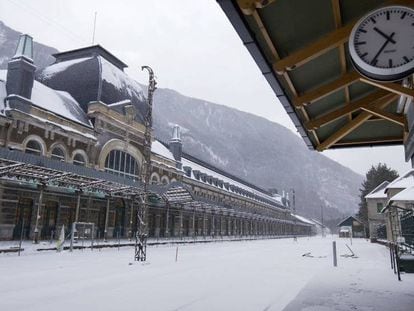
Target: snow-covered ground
{"points": [[245, 275]]}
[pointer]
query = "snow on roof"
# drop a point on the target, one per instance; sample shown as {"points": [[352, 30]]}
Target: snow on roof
{"points": [[65, 127], [345, 219], [58, 102], [121, 103], [119, 79], [55, 68], [197, 167], [303, 219], [160, 149], [378, 192], [404, 181], [404, 196], [278, 198]]}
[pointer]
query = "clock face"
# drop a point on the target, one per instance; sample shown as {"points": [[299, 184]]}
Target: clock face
{"points": [[381, 44]]}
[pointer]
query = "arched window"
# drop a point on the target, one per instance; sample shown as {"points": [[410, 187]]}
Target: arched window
{"points": [[164, 180], [78, 159], [121, 163], [58, 154], [155, 179], [33, 147]]}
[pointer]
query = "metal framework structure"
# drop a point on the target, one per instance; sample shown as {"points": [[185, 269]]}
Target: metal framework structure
{"points": [[142, 223], [42, 177], [177, 194]]}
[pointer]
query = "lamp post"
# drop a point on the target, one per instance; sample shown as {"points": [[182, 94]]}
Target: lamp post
{"points": [[142, 232], [294, 213]]}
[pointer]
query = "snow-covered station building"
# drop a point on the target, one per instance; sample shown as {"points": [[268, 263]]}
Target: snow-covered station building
{"points": [[71, 150]]}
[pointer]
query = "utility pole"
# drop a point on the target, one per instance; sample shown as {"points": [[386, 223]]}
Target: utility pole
{"points": [[294, 212], [142, 230], [323, 227]]}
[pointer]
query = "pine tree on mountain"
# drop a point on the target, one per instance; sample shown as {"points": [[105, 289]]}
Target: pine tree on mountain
{"points": [[375, 176]]}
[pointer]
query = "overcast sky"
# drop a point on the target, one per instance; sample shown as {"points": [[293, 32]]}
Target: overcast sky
{"points": [[191, 46]]}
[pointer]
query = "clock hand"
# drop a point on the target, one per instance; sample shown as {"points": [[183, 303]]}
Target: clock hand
{"points": [[385, 36], [382, 48]]}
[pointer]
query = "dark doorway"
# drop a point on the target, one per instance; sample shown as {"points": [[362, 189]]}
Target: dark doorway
{"points": [[23, 218], [49, 219], [101, 221], [119, 229]]}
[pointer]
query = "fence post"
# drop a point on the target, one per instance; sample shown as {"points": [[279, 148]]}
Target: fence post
{"points": [[335, 263]]}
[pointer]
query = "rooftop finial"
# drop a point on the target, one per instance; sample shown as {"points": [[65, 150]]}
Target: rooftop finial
{"points": [[24, 47]]}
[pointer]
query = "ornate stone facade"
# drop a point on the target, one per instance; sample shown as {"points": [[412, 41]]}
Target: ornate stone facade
{"points": [[85, 111]]}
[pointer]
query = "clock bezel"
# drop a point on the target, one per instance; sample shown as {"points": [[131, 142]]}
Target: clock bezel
{"points": [[372, 72]]}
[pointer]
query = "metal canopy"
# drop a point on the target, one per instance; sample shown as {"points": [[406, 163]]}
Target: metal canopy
{"points": [[13, 170], [174, 193], [301, 48]]}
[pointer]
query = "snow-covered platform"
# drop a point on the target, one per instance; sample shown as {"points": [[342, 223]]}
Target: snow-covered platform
{"points": [[244, 275]]}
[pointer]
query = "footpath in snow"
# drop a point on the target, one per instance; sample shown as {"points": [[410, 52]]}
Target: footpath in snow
{"points": [[245, 275]]}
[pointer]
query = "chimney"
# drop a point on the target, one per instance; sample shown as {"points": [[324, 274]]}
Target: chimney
{"points": [[20, 69], [176, 145]]}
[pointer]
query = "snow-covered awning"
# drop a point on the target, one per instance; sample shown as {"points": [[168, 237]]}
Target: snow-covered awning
{"points": [[407, 195], [402, 200], [303, 219], [402, 182]]}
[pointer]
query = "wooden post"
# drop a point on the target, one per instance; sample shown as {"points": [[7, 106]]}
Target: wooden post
{"points": [[335, 262]]}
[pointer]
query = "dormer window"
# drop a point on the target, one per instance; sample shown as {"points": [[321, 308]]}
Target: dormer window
{"points": [[187, 170], [196, 174]]}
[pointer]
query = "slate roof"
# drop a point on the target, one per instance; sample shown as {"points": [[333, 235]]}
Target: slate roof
{"points": [[202, 172], [348, 221], [93, 74], [58, 102]]}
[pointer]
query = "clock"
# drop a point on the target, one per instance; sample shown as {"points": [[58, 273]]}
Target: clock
{"points": [[381, 44]]}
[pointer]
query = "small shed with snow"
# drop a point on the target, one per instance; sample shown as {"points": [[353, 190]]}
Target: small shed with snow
{"points": [[351, 226]]}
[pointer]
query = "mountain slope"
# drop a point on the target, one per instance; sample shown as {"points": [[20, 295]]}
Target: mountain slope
{"points": [[259, 151], [42, 54], [251, 147]]}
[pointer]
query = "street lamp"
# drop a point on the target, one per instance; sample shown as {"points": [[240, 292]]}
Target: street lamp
{"points": [[142, 221]]}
